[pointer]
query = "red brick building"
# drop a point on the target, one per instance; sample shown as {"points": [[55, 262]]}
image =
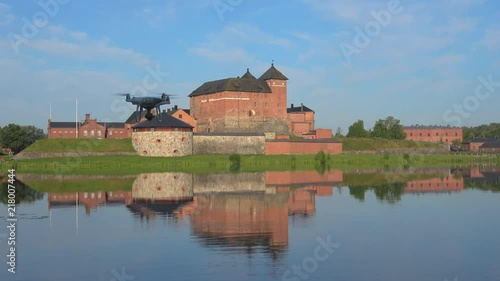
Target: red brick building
{"points": [[245, 104], [300, 119], [91, 128], [434, 134], [482, 145]]}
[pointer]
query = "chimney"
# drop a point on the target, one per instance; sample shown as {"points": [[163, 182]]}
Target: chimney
{"points": [[175, 107], [168, 109], [164, 111], [301, 107], [292, 105], [87, 117]]}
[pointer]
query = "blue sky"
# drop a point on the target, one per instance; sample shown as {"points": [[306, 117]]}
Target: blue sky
{"points": [[419, 61]]}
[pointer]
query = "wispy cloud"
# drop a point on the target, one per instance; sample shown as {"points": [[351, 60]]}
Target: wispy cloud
{"points": [[70, 44], [491, 39], [6, 18], [156, 16], [229, 45]]}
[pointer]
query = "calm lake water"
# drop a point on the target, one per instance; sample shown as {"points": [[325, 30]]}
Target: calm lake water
{"points": [[354, 225]]}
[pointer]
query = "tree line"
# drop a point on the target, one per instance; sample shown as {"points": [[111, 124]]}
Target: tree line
{"points": [[18, 137], [388, 128], [491, 130]]}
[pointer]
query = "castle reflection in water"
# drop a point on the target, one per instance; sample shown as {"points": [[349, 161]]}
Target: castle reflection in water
{"points": [[243, 210]]}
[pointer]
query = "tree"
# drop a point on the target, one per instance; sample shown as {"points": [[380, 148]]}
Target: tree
{"points": [[388, 128], [338, 133], [357, 130], [18, 137]]}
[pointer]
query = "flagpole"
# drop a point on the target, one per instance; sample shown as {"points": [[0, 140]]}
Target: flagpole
{"points": [[76, 118]]}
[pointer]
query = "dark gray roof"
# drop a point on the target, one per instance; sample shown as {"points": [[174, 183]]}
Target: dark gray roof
{"points": [[133, 117], [423, 127], [167, 121], [63, 125], [301, 108], [114, 125], [491, 145], [248, 75], [234, 85], [273, 73]]}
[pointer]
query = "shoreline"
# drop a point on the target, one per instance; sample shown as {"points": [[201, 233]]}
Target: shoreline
{"points": [[132, 164]]}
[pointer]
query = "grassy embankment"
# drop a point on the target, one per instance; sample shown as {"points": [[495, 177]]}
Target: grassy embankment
{"points": [[121, 165], [378, 144]]}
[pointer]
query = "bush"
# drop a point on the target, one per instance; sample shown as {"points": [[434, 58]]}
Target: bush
{"points": [[235, 160]]}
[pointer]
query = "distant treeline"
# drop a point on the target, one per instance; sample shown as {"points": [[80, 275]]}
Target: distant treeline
{"points": [[483, 131]]}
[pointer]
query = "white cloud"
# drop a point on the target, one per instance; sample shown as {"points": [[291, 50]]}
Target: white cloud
{"points": [[491, 39], [458, 25], [155, 16], [228, 45], [5, 17], [58, 41]]}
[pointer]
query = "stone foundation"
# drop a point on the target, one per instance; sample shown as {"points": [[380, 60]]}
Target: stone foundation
{"points": [[163, 144]]}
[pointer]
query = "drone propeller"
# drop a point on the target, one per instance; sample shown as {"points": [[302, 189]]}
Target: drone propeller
{"points": [[121, 94]]}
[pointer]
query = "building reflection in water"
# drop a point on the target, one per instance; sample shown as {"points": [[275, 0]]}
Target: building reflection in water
{"points": [[244, 212]]}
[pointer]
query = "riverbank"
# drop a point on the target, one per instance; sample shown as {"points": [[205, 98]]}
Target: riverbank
{"points": [[127, 164]]}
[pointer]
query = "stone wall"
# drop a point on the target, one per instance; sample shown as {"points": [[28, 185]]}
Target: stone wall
{"points": [[163, 186], [174, 143], [241, 182], [329, 146], [244, 123], [246, 144]]}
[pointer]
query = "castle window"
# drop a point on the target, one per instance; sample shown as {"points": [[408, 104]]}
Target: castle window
{"points": [[446, 134], [85, 133], [437, 134], [65, 132], [456, 134], [152, 129], [70, 132], [55, 132], [92, 132], [420, 134], [60, 132], [99, 133], [110, 133], [411, 134], [428, 134]]}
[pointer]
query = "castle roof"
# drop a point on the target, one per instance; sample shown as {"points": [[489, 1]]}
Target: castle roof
{"points": [[234, 85], [167, 121], [301, 108], [273, 73], [248, 75]]}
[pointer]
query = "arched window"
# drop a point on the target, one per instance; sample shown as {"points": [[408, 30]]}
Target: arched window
{"points": [[85, 133]]}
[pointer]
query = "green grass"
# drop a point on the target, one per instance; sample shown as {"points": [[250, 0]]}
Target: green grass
{"points": [[81, 145], [123, 165], [378, 144]]}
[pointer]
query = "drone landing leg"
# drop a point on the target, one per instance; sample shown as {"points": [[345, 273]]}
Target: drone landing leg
{"points": [[158, 113], [138, 118]]}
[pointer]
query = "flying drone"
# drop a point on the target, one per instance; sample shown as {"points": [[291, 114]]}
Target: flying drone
{"points": [[148, 103]]}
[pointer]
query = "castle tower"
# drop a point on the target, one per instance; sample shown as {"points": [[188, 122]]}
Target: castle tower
{"points": [[278, 84]]}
